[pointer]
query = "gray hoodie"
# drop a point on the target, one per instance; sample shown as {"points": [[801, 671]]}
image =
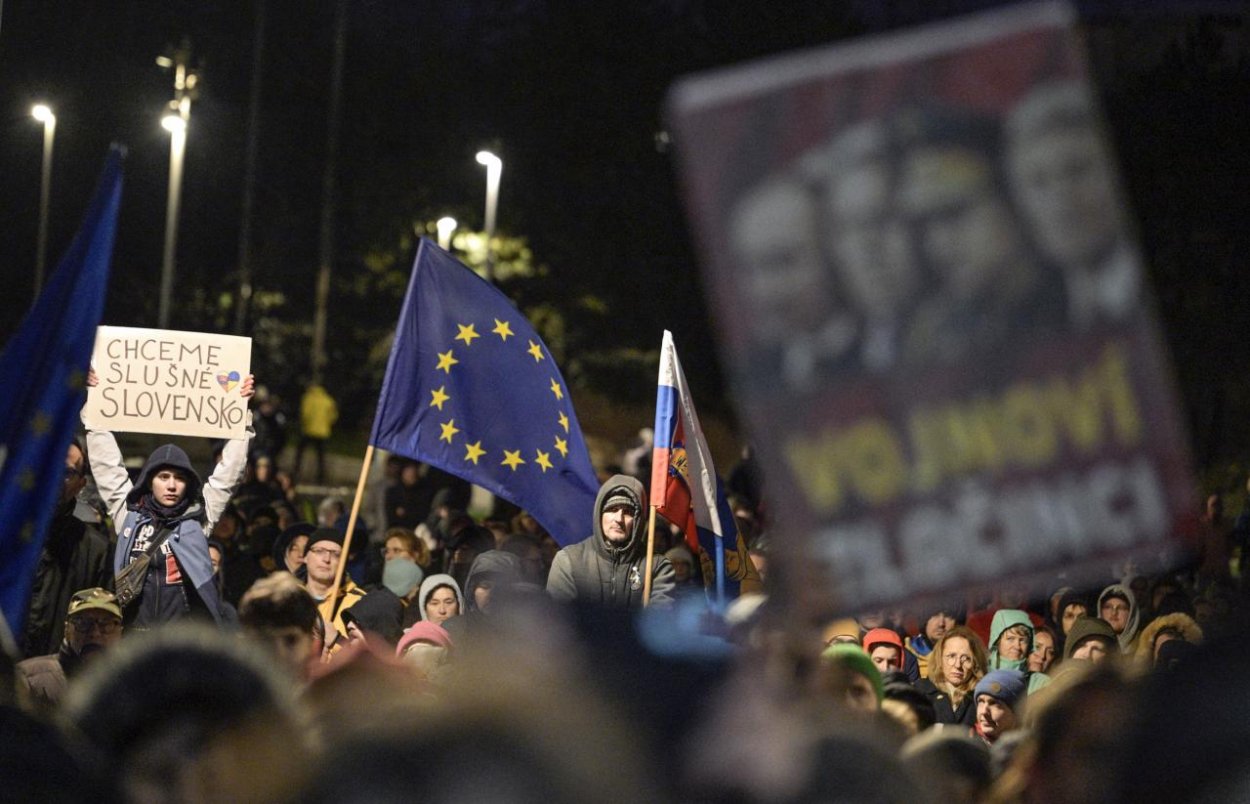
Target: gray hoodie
{"points": [[597, 571]]}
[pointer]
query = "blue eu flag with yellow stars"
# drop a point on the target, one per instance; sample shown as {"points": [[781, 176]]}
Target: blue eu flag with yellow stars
{"points": [[42, 370], [471, 389]]}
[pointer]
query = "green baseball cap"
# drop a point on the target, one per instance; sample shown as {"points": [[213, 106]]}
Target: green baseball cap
{"points": [[95, 598]]}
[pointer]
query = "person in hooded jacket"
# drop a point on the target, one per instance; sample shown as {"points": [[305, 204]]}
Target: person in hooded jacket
{"points": [[1161, 630], [167, 501], [494, 578], [1118, 606], [438, 600], [607, 568], [494, 574], [1011, 642]]}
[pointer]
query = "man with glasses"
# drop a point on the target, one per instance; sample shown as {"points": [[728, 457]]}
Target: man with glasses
{"points": [[76, 555], [93, 625], [321, 560]]}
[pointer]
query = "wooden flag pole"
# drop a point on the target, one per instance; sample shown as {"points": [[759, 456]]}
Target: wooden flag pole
{"points": [[646, 580], [328, 613]]}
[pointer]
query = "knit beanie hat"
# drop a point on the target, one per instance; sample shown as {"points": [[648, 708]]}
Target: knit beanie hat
{"points": [[401, 576], [883, 636], [423, 631], [621, 496], [1086, 627], [324, 535], [1007, 686], [853, 658]]}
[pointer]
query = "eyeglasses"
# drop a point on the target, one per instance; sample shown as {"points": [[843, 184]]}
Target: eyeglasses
{"points": [[959, 659], [325, 552], [83, 625], [72, 474]]}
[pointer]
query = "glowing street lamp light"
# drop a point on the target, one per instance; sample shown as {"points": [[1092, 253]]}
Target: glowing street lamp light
{"points": [[176, 125], [494, 169], [44, 115], [446, 227], [175, 120]]}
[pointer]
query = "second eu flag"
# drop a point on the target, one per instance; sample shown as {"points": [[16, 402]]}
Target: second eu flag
{"points": [[471, 389]]}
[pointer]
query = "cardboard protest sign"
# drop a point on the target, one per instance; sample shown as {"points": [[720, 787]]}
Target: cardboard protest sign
{"points": [[163, 381], [932, 309]]}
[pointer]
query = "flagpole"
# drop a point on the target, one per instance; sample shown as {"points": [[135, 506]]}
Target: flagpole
{"points": [[646, 581], [328, 614]]}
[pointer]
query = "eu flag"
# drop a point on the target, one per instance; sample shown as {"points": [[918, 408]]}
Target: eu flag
{"points": [[471, 389], [42, 371]]}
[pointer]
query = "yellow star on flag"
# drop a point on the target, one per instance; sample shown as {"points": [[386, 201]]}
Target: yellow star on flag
{"points": [[28, 532], [439, 397], [512, 459], [473, 451], [544, 460], [75, 379], [555, 389], [26, 480], [40, 423], [446, 361], [503, 329], [467, 334], [449, 430], [562, 447], [564, 421], [536, 351]]}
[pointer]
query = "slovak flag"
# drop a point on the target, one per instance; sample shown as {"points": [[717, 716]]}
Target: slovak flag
{"points": [[686, 490]]}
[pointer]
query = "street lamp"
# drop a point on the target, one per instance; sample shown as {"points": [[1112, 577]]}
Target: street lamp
{"points": [[494, 168], [176, 125], [44, 115], [177, 115], [446, 226]]}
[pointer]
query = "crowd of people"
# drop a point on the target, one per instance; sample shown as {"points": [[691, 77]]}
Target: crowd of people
{"points": [[213, 638]]}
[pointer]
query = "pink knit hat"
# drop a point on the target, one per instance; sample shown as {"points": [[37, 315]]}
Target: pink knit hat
{"points": [[423, 631]]}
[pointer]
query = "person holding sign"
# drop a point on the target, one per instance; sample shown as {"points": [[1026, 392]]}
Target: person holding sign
{"points": [[163, 568]]}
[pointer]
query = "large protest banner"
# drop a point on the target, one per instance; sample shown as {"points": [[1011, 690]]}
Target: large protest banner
{"points": [[933, 310], [164, 381]]}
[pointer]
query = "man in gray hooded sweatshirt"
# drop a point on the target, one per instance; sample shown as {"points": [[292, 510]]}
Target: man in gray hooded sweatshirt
{"points": [[607, 568]]}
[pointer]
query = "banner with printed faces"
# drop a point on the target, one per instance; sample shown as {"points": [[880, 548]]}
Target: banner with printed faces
{"points": [[933, 311], [164, 381]]}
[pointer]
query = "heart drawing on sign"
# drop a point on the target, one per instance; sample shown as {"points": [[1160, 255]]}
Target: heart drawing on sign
{"points": [[228, 381]]}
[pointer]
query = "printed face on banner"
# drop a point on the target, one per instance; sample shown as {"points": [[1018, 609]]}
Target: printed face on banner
{"points": [[932, 309], [163, 381]]}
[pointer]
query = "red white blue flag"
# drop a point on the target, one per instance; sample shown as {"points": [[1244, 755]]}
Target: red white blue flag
{"points": [[686, 490]]}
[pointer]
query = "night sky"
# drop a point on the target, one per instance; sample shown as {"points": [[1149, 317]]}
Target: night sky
{"points": [[570, 93]]}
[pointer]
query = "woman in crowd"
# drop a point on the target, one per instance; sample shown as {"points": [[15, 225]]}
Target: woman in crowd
{"points": [[958, 661], [440, 599]]}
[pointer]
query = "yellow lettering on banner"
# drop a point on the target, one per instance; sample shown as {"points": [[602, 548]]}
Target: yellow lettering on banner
{"points": [[814, 466], [1027, 426], [1078, 410], [1124, 413], [1029, 432], [866, 459], [877, 467]]}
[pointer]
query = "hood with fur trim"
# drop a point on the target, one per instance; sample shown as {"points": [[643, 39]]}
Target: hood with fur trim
{"points": [[1180, 622]]}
